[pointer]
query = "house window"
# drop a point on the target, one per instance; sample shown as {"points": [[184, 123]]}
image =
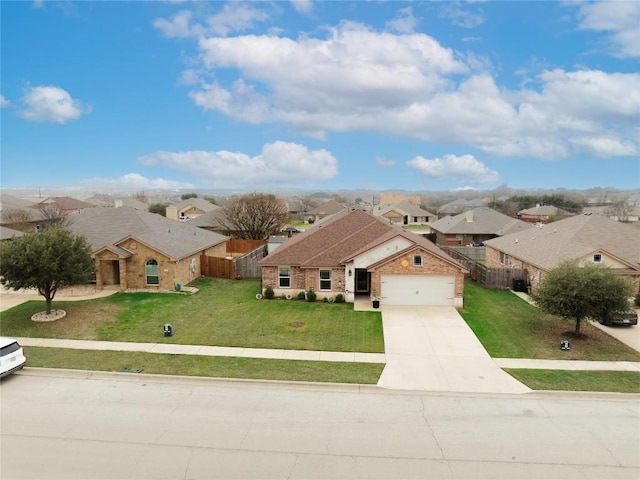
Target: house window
{"points": [[502, 257], [415, 219], [284, 277], [152, 272], [325, 279], [460, 239], [417, 260], [597, 258]]}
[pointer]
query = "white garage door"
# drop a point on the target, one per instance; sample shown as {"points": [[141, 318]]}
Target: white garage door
{"points": [[417, 290]]}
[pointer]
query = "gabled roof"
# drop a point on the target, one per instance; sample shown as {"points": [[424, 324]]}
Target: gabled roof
{"points": [[341, 239], [9, 202], [212, 219], [199, 203], [544, 210], [548, 245], [327, 208], [461, 205], [65, 203], [6, 233], [406, 208], [106, 227], [478, 221]]}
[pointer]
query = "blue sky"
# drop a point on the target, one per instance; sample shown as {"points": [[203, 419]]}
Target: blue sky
{"points": [[320, 95]]}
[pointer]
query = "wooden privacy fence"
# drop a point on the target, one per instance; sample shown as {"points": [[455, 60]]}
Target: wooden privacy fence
{"points": [[217, 267], [489, 277], [245, 266], [240, 245]]}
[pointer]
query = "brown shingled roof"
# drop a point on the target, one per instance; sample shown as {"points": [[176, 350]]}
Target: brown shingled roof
{"points": [[341, 239]]}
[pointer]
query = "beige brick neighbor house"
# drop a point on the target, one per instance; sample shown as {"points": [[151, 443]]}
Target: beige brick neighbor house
{"points": [[356, 253], [585, 238], [141, 250]]}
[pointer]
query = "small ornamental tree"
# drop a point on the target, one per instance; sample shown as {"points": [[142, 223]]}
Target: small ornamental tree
{"points": [[47, 260], [577, 292]]}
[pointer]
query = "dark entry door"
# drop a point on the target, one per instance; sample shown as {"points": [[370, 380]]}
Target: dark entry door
{"points": [[362, 280]]}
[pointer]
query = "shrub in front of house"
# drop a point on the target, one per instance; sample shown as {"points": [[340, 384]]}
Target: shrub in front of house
{"points": [[311, 295], [301, 295], [339, 298], [268, 292]]}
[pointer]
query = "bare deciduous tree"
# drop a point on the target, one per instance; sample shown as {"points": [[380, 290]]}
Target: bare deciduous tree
{"points": [[53, 215], [621, 210], [255, 216]]}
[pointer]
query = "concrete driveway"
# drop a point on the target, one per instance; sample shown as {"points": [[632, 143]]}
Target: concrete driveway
{"points": [[433, 349]]}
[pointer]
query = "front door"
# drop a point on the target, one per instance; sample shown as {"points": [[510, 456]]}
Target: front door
{"points": [[363, 280]]}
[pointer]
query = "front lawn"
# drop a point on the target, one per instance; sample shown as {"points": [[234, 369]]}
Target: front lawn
{"points": [[578, 381], [203, 366], [509, 327], [222, 313]]}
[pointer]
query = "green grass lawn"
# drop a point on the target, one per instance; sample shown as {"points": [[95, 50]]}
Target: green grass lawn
{"points": [[222, 313], [509, 327], [202, 366], [582, 381]]}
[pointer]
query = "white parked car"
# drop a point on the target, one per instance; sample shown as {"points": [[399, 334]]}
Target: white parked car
{"points": [[11, 356]]}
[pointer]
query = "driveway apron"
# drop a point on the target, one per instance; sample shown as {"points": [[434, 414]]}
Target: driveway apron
{"points": [[433, 349]]}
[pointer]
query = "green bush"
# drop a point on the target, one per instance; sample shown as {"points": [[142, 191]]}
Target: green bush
{"points": [[311, 295], [301, 295], [339, 298], [268, 292]]}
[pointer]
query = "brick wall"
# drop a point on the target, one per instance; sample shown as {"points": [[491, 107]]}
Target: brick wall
{"points": [[431, 265]]}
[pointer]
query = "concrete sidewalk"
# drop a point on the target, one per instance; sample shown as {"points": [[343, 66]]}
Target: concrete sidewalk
{"points": [[321, 356], [211, 351]]}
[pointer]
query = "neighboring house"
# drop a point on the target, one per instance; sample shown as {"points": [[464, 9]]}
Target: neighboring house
{"points": [[7, 233], [189, 209], [325, 210], [542, 214], [360, 254], [296, 209], [19, 214], [631, 213], [459, 206], [585, 238], [476, 226], [136, 249], [68, 206], [405, 213], [215, 221]]}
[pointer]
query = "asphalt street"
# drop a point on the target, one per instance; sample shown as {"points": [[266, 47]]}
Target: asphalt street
{"points": [[88, 425]]}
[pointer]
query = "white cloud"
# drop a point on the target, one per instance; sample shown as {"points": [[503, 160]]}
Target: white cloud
{"points": [[50, 104], [620, 18], [179, 26], [4, 102], [232, 17], [466, 16], [133, 182], [303, 6], [344, 82], [451, 167], [278, 163], [409, 85], [385, 162], [404, 22], [604, 146]]}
